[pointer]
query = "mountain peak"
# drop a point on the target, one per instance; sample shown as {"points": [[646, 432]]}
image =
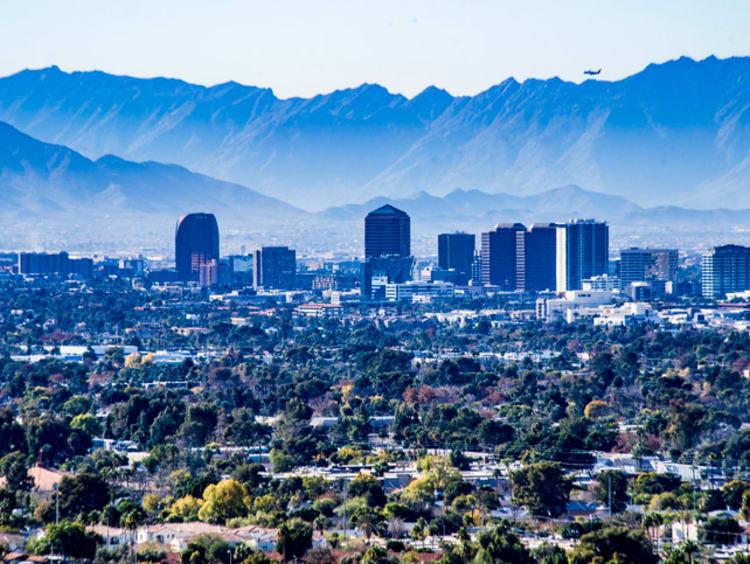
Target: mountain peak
{"points": [[625, 137]]}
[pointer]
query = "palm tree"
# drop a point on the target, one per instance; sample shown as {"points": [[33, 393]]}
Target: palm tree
{"points": [[369, 520]]}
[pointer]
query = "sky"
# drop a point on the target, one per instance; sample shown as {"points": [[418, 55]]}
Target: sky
{"points": [[306, 47]]}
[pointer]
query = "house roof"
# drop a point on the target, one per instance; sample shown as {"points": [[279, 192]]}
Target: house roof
{"points": [[44, 478]]}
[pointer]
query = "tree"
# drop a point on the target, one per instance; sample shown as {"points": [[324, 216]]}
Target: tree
{"points": [[614, 482], [87, 423], [745, 509], [199, 424], [377, 555], [595, 409], [419, 530], [368, 487], [294, 538], [82, 494], [711, 500], [223, 501], [185, 509], [543, 488], [70, 539], [732, 492], [613, 544], [7, 504], [720, 530], [370, 520], [548, 553], [13, 467], [205, 549], [652, 483], [502, 546], [243, 430]]}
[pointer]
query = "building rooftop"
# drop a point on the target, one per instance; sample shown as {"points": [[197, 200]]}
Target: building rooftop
{"points": [[388, 209]]}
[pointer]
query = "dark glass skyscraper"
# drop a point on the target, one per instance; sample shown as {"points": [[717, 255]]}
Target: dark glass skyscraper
{"points": [[540, 248], [725, 269], [456, 252], [387, 233], [196, 243], [503, 256], [582, 252], [275, 267]]}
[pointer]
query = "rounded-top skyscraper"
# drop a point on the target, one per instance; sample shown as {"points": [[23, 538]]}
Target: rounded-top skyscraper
{"points": [[196, 243]]}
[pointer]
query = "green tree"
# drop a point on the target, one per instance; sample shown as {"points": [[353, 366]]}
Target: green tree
{"points": [[377, 555], [732, 492], [502, 546], [368, 487], [652, 483], [81, 494], [720, 530], [13, 467], [223, 501], [613, 544], [294, 538], [370, 520], [543, 488], [613, 481], [199, 424], [548, 553], [87, 423], [70, 539]]}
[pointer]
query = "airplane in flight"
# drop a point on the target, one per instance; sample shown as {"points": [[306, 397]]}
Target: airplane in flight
{"points": [[592, 72]]}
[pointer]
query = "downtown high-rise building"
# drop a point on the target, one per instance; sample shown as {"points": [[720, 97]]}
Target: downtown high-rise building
{"points": [[387, 251], [275, 267], [196, 244], [548, 256], [540, 247], [725, 269], [503, 256], [647, 265], [582, 252], [55, 263], [456, 253], [387, 233]]}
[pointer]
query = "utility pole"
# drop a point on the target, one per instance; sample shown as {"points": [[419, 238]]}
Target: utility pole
{"points": [[609, 493], [345, 508], [57, 503]]}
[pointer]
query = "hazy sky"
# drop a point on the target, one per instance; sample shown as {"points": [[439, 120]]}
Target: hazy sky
{"points": [[304, 47]]}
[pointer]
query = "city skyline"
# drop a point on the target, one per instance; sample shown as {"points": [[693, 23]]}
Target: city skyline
{"points": [[351, 282]]}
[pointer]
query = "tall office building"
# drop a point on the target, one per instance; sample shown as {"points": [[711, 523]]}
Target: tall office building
{"points": [[540, 258], [582, 252], [275, 267], [647, 265], [503, 256], [387, 233], [55, 263], [196, 243], [456, 252], [44, 263], [725, 269]]}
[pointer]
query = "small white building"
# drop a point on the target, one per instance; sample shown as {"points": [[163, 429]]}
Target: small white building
{"points": [[418, 291], [567, 308]]}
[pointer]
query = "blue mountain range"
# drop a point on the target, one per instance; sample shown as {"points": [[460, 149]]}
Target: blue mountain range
{"points": [[676, 133]]}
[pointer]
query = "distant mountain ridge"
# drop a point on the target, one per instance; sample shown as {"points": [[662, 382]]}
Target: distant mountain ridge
{"points": [[475, 211], [48, 181], [557, 204], [676, 133]]}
